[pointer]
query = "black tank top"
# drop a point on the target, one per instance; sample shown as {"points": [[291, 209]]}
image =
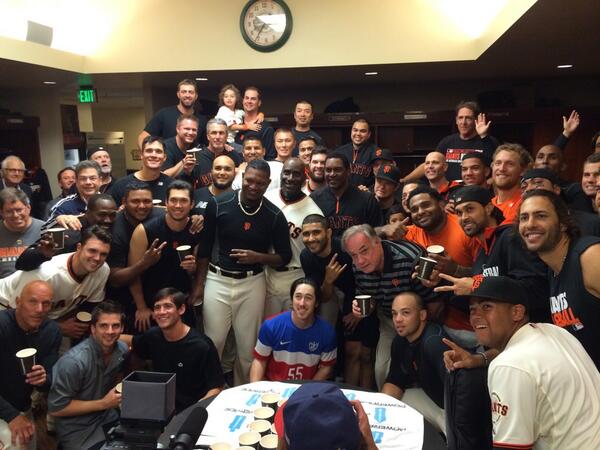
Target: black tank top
{"points": [[571, 305]]}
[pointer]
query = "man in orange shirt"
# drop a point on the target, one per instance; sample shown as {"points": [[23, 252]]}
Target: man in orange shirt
{"points": [[433, 226], [509, 164]]}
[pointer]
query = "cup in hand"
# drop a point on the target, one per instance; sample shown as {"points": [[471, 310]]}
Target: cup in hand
{"points": [[27, 359], [436, 250], [58, 237], [183, 251], [426, 266], [364, 304], [84, 317]]}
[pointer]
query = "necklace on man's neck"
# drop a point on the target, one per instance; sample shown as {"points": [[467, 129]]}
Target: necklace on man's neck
{"points": [[242, 206]]}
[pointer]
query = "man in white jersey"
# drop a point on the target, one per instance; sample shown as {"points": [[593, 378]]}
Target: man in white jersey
{"points": [[74, 277], [544, 387], [295, 205]]}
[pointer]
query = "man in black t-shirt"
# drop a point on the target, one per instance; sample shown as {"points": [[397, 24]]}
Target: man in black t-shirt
{"points": [[472, 136], [240, 229], [153, 157], [174, 347], [200, 174], [547, 229], [26, 326], [176, 147], [256, 127], [417, 372], [324, 261], [164, 122], [171, 269], [222, 175], [360, 153], [303, 116], [137, 208], [345, 205]]}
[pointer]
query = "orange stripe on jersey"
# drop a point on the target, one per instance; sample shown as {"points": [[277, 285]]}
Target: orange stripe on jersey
{"points": [[515, 446]]}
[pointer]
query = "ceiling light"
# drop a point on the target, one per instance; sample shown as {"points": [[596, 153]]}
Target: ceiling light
{"points": [[49, 82], [564, 66], [201, 79], [371, 73]]}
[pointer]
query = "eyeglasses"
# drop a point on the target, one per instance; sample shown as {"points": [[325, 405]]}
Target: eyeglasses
{"points": [[13, 212]]}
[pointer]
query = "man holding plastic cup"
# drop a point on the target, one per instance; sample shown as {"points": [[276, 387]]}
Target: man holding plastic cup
{"points": [[25, 330]]}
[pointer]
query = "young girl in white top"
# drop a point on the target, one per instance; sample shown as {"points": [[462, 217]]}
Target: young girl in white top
{"points": [[229, 99]]}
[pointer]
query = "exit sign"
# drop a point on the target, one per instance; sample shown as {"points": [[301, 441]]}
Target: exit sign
{"points": [[87, 95]]}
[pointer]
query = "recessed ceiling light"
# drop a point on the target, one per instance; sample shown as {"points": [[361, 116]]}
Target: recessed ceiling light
{"points": [[371, 73], [49, 82], [201, 79], [564, 66]]}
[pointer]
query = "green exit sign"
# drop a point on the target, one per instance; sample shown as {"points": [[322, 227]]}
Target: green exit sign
{"points": [[87, 95]]}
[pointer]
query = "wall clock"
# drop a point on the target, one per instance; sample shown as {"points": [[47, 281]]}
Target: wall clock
{"points": [[266, 24]]}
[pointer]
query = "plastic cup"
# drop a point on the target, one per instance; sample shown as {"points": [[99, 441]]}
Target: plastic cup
{"points": [[119, 388], [220, 446], [264, 413], [183, 251], [436, 250], [192, 152], [250, 439], [426, 266], [84, 317], [58, 237], [268, 442], [271, 400], [156, 202], [364, 304], [263, 427], [27, 359]]}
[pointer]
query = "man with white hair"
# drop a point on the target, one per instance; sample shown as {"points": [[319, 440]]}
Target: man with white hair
{"points": [[13, 172]]}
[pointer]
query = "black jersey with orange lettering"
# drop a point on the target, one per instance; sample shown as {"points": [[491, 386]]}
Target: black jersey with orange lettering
{"points": [[572, 306], [501, 253], [227, 226], [167, 272], [361, 171], [201, 175], [354, 207]]}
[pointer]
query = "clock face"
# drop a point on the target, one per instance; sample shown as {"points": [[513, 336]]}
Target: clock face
{"points": [[266, 25]]}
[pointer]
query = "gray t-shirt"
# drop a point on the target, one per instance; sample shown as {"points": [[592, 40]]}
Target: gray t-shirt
{"points": [[80, 374], [12, 244]]}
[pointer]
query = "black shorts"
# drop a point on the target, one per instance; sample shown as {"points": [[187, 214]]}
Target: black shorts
{"points": [[367, 331]]}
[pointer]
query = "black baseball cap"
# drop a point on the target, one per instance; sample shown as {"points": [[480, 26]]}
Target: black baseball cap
{"points": [[477, 194], [500, 289], [389, 172], [541, 173], [382, 154]]}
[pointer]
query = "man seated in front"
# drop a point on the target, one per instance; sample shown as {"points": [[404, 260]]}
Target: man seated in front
{"points": [[174, 347], [296, 344], [83, 396], [417, 372]]}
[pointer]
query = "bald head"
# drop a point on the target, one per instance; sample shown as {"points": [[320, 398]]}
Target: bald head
{"points": [[223, 172], [435, 166], [33, 304]]}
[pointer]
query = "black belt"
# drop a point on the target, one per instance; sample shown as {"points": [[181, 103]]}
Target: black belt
{"points": [[285, 268], [233, 274]]}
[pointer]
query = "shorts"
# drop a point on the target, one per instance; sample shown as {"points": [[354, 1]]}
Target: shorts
{"points": [[367, 332]]}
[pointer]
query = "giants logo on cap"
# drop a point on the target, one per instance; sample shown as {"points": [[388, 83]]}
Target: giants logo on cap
{"points": [[247, 226], [387, 169], [477, 279], [378, 152]]}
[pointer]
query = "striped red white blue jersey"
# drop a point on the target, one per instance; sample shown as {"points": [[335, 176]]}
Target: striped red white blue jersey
{"points": [[294, 353]]}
